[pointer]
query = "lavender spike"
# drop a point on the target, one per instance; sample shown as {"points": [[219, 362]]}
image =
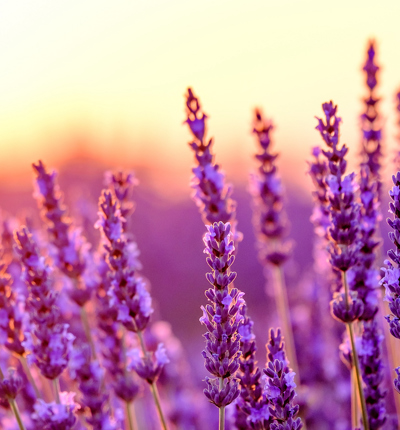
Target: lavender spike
{"points": [[344, 213], [72, 254], [211, 194], [271, 224], [222, 318], [128, 294], [371, 121], [280, 387], [53, 343]]}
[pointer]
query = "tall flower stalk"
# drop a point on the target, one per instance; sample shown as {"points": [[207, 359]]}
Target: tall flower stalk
{"points": [[222, 318], [271, 225], [129, 297], [344, 215], [71, 255], [112, 334], [211, 194], [371, 123], [280, 387]]}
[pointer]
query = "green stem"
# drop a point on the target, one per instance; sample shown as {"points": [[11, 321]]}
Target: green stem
{"points": [[354, 399], [156, 397], [282, 304], [88, 334], [29, 376], [222, 409], [56, 390], [15, 410], [131, 417], [153, 386], [356, 362]]}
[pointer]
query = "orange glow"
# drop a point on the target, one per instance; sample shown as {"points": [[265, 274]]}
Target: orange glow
{"points": [[113, 75]]}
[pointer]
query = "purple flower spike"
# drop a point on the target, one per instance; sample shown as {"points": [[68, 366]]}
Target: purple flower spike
{"points": [[122, 184], [11, 385], [128, 294], [90, 377], [370, 119], [56, 416], [59, 225], [280, 387], [348, 310], [341, 194], [149, 367], [251, 405], [221, 317], [269, 217], [52, 345], [211, 194], [12, 307]]}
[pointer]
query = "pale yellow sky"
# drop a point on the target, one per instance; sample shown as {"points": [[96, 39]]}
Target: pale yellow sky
{"points": [[116, 71]]}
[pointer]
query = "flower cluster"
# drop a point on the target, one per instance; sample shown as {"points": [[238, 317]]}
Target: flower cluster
{"points": [[128, 294], [370, 119], [48, 339], [269, 217], [280, 387], [391, 276], [251, 404], [211, 193], [221, 317], [66, 239]]}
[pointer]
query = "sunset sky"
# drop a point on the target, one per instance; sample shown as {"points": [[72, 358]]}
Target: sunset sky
{"points": [[107, 79]]}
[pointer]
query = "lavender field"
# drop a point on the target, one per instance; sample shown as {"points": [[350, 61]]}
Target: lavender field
{"points": [[255, 306]]}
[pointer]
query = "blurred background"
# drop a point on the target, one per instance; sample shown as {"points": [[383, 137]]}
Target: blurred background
{"points": [[95, 85]]}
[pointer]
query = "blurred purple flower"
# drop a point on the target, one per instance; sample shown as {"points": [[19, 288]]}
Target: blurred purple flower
{"points": [[269, 218], [51, 342]]}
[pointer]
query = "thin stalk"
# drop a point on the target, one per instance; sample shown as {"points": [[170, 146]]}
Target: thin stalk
{"points": [[354, 400], [222, 409], [356, 363], [153, 386], [28, 373], [88, 334], [131, 417], [56, 386], [156, 397], [282, 304], [17, 414]]}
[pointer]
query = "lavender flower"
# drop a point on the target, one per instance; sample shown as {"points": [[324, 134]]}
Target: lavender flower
{"points": [[121, 184], [221, 318], [269, 217], [271, 225], [370, 119], [211, 194], [148, 367], [72, 255], [391, 276], [128, 294], [251, 407], [56, 416], [11, 314], [51, 342], [280, 387], [10, 386], [344, 246], [90, 377]]}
